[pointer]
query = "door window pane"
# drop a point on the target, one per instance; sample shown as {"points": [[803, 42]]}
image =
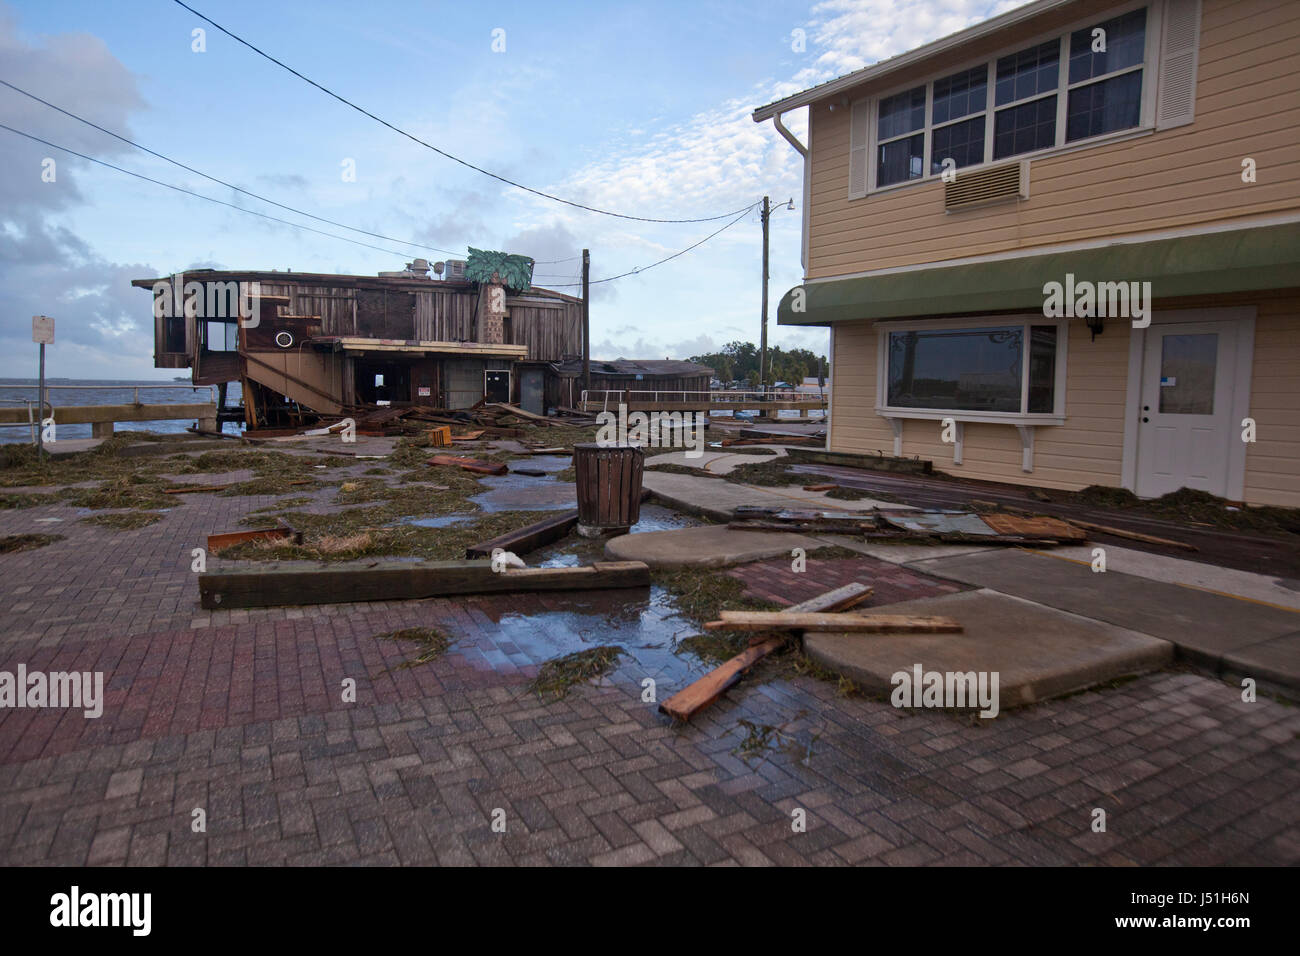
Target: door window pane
{"points": [[962, 142], [1187, 367], [901, 113], [901, 160], [960, 95], [962, 369], [1125, 46], [1104, 107], [1028, 73], [1025, 128]]}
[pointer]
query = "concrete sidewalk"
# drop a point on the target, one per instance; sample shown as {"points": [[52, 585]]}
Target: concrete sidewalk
{"points": [[717, 499]]}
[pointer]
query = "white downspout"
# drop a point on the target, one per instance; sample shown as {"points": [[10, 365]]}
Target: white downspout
{"points": [[802, 150]]}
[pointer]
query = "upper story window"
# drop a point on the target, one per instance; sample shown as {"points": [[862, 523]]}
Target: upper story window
{"points": [[900, 151], [1089, 82]]}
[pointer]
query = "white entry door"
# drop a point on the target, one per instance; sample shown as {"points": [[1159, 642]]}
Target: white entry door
{"points": [[1186, 431]]}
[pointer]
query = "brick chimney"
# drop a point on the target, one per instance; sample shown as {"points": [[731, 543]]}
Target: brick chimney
{"points": [[492, 312]]}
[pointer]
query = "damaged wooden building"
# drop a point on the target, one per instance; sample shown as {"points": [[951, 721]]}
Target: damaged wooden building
{"points": [[311, 344]]}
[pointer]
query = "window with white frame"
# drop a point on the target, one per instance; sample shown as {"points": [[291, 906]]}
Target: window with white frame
{"points": [[1002, 370], [1085, 83]]}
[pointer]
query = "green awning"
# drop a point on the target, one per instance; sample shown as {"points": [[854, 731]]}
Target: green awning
{"points": [[1240, 260]]}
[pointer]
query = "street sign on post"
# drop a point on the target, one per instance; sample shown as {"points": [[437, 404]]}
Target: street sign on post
{"points": [[42, 330], [42, 335]]}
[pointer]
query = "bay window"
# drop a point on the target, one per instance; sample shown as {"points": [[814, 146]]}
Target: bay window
{"points": [[1010, 370]]}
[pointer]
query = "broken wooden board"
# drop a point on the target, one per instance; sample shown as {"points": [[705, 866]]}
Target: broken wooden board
{"points": [[859, 623], [527, 538], [468, 436], [692, 699], [471, 464], [527, 416], [829, 487], [300, 583], [1132, 535], [193, 489], [282, 532], [1036, 526], [550, 451]]}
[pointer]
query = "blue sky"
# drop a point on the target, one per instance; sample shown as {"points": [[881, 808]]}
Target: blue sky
{"points": [[639, 108]]}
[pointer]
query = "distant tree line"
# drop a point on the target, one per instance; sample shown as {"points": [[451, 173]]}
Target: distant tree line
{"points": [[738, 361]]}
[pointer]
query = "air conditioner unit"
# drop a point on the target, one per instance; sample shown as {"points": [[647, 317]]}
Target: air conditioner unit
{"points": [[455, 269], [982, 186]]}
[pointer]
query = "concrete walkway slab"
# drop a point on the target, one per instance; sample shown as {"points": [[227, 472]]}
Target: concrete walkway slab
{"points": [[710, 546], [1189, 573], [1038, 652], [1206, 628], [718, 499]]}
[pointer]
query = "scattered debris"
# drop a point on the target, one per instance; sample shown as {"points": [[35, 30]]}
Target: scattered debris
{"points": [[124, 520], [433, 643], [528, 538], [471, 464], [878, 524], [1134, 535], [556, 677], [691, 700], [282, 532], [11, 543]]}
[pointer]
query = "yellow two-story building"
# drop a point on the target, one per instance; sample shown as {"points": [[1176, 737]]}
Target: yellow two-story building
{"points": [[1062, 247]]}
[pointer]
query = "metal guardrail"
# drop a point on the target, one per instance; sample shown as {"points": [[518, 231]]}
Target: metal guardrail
{"points": [[715, 396], [33, 421]]}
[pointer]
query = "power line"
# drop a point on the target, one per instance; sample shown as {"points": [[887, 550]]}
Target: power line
{"points": [[190, 192], [441, 152], [637, 271], [321, 232], [221, 182]]}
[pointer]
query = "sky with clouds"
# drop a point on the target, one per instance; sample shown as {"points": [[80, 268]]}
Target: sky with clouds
{"points": [[640, 108]]}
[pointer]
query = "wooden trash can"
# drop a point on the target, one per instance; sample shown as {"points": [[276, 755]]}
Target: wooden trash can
{"points": [[609, 488]]}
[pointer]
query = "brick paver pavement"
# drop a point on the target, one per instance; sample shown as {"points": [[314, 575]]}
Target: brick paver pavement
{"points": [[240, 714]]}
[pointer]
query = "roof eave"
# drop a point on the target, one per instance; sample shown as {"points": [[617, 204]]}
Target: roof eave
{"points": [[884, 67]]}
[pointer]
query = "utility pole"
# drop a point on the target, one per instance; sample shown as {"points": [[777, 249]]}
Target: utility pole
{"points": [[762, 348], [586, 320]]}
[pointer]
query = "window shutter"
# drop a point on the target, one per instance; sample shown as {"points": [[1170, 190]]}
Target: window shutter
{"points": [[858, 148], [1179, 43]]}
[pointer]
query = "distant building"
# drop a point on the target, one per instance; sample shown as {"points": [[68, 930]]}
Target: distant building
{"points": [[324, 344]]}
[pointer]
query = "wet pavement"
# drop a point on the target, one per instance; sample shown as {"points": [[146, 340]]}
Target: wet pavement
{"points": [[518, 492]]}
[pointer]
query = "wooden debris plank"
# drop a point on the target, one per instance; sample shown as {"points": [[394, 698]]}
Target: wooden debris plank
{"points": [[192, 489], [1133, 535], [283, 531], [275, 585], [527, 416], [861, 623], [471, 464], [690, 700], [820, 487], [1036, 526], [549, 451], [468, 436]]}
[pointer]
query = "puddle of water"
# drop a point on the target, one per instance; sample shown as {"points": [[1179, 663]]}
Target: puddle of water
{"points": [[574, 550], [441, 521], [645, 624], [525, 493]]}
